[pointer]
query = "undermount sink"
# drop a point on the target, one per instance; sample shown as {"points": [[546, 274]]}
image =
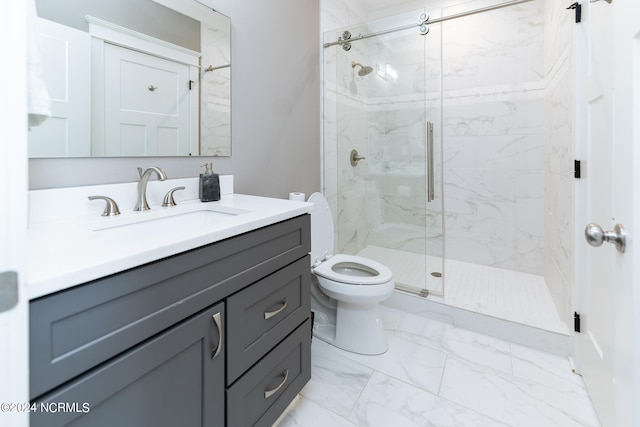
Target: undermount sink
{"points": [[182, 219]]}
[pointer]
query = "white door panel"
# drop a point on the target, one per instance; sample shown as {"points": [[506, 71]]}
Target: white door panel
{"points": [[606, 113], [147, 104], [65, 54], [14, 356]]}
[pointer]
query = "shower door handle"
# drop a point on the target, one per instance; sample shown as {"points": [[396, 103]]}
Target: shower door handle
{"points": [[430, 167]]}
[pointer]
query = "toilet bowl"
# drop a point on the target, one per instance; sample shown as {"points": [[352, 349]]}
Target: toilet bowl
{"points": [[346, 290]]}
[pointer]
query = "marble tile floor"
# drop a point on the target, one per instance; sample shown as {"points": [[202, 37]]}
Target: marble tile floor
{"points": [[435, 374]]}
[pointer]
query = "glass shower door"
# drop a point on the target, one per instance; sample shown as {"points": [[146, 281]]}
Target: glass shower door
{"points": [[388, 153]]}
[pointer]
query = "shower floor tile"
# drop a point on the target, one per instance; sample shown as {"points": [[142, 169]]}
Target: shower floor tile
{"points": [[471, 380], [505, 294]]}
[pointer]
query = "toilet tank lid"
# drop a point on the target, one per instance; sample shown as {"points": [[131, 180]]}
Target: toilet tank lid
{"points": [[321, 227]]}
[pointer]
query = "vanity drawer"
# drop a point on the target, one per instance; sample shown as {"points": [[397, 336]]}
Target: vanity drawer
{"points": [[261, 315], [76, 329], [264, 392]]}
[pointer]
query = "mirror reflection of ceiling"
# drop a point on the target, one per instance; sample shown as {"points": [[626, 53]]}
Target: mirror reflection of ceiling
{"points": [[198, 30]]}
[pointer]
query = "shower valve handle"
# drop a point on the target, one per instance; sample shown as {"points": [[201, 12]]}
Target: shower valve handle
{"points": [[354, 157]]}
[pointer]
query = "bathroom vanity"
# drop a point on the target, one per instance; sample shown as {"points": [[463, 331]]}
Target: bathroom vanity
{"points": [[216, 334]]}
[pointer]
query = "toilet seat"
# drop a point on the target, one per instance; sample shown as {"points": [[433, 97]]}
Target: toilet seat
{"points": [[341, 268], [353, 270]]}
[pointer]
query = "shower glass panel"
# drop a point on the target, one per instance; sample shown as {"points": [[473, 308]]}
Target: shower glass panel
{"points": [[382, 98]]}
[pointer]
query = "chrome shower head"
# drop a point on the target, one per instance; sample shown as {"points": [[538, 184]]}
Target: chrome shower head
{"points": [[364, 69]]}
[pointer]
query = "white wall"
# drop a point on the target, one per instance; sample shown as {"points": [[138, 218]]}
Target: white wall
{"points": [[275, 109]]}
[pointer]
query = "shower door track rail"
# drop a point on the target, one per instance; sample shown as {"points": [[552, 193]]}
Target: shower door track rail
{"points": [[419, 23]]}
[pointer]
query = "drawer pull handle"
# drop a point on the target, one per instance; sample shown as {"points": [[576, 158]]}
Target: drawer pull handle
{"points": [[218, 322], [270, 314], [271, 392]]}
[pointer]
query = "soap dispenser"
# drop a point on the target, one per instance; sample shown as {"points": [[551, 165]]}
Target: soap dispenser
{"points": [[209, 184]]}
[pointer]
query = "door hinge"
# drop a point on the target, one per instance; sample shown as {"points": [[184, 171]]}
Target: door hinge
{"points": [[577, 169], [576, 322], [578, 8]]}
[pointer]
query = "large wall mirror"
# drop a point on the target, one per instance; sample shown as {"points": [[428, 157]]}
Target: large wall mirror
{"points": [[134, 78]]}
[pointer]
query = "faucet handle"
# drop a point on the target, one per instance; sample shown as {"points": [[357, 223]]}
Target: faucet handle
{"points": [[168, 198], [111, 207]]}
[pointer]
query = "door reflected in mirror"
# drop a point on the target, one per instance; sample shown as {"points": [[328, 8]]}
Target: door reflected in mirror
{"points": [[113, 73]]}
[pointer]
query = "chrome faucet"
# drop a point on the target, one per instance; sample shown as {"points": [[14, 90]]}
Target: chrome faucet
{"points": [[141, 203]]}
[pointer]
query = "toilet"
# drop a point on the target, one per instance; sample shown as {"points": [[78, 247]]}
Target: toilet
{"points": [[345, 290]]}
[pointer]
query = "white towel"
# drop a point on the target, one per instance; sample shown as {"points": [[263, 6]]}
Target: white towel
{"points": [[38, 101]]}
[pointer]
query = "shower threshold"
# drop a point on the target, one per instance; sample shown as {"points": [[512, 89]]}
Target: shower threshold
{"points": [[423, 293]]}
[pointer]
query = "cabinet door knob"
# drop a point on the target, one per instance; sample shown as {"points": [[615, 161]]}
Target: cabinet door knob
{"points": [[217, 320], [270, 314], [272, 391]]}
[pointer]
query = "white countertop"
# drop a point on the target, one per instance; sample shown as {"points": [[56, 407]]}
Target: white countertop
{"points": [[68, 252]]}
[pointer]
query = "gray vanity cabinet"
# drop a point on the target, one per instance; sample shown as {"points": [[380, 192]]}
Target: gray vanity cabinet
{"points": [[172, 379], [219, 335]]}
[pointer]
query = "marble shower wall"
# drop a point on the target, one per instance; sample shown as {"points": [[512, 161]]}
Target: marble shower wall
{"points": [[215, 93], [339, 102], [384, 119], [507, 127], [488, 69], [559, 155], [494, 136]]}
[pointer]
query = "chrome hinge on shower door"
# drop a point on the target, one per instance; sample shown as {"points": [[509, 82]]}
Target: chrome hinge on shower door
{"points": [[8, 290]]}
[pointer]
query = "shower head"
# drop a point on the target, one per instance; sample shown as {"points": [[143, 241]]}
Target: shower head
{"points": [[364, 69]]}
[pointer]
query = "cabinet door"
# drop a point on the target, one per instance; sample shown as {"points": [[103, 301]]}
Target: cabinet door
{"points": [[173, 379]]}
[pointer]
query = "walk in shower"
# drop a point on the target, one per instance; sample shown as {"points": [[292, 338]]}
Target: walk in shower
{"points": [[435, 124]]}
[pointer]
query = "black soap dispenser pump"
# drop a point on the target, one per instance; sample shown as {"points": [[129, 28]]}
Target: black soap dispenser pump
{"points": [[209, 184]]}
